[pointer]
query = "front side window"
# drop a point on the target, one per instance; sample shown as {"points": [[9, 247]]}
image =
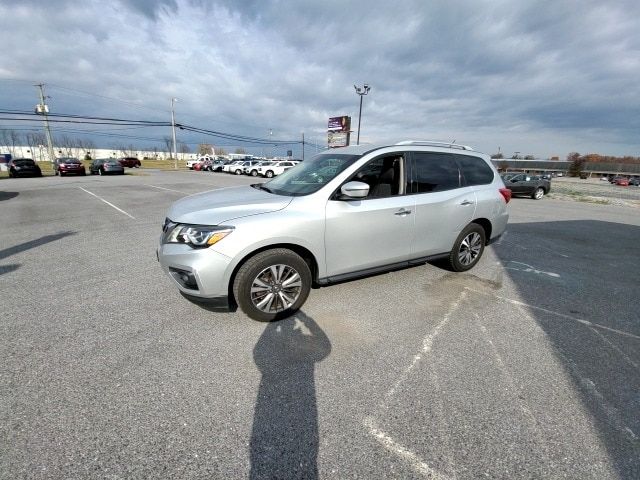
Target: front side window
{"points": [[435, 172], [384, 175]]}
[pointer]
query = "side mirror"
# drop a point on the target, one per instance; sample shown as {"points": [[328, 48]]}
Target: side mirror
{"points": [[355, 190]]}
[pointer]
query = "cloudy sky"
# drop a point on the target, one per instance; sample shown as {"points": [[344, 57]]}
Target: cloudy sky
{"points": [[538, 77]]}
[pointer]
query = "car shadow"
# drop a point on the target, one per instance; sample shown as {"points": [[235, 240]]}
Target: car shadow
{"points": [[8, 195], [7, 252], [285, 439], [581, 279]]}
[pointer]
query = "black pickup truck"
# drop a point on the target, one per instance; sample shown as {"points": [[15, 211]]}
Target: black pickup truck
{"points": [[526, 184]]}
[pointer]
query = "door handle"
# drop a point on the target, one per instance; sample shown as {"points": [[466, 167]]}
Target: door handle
{"points": [[467, 202], [402, 212]]}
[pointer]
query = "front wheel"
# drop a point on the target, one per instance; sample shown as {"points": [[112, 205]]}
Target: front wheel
{"points": [[254, 173], [272, 285], [468, 248], [238, 172], [100, 171], [269, 174], [538, 193]]}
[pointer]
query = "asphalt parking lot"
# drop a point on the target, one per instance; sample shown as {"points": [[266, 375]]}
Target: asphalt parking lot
{"points": [[525, 367]]}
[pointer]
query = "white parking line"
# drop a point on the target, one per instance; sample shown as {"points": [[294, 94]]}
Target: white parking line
{"points": [[167, 189], [108, 203], [557, 314], [390, 444], [427, 343], [386, 440]]}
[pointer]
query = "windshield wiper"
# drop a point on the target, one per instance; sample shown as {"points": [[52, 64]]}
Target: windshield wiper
{"points": [[261, 187]]}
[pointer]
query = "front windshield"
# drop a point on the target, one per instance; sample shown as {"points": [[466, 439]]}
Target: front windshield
{"points": [[311, 175]]}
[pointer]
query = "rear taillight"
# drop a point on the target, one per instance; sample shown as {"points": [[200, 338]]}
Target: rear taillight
{"points": [[506, 194]]}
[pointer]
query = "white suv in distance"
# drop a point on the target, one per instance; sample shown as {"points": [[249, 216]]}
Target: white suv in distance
{"points": [[345, 213], [271, 169]]}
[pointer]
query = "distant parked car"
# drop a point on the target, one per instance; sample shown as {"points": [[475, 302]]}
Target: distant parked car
{"points": [[130, 162], [215, 165], [67, 165], [230, 167], [106, 166], [191, 163], [525, 184], [274, 168], [23, 167], [622, 181], [253, 168], [635, 181]]}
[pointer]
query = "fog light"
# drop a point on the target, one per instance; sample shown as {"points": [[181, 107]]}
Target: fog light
{"points": [[185, 278]]}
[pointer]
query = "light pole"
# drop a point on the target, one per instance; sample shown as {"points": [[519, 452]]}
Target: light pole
{"points": [[173, 130], [362, 92]]}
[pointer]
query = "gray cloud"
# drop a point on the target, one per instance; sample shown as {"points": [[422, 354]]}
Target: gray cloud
{"points": [[541, 77]]}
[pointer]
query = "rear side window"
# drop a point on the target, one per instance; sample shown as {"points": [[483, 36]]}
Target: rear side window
{"points": [[435, 172], [475, 170]]}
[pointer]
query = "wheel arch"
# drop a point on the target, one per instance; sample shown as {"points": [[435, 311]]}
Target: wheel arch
{"points": [[303, 252], [485, 223]]}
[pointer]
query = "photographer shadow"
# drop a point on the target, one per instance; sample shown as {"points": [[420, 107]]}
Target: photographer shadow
{"points": [[284, 440]]}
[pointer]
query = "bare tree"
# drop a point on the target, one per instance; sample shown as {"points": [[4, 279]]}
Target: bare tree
{"points": [[36, 142], [10, 139], [183, 148], [168, 142], [241, 151]]}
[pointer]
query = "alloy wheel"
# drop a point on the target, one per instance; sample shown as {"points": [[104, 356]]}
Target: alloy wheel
{"points": [[470, 248], [276, 288]]}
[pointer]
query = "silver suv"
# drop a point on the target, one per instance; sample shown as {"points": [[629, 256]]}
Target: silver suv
{"points": [[345, 213]]}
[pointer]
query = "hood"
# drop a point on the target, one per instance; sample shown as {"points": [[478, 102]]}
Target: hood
{"points": [[219, 206]]}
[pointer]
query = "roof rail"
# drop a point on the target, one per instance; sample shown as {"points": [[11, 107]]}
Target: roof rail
{"points": [[431, 143]]}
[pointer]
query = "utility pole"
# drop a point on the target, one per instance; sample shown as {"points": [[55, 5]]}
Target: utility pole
{"points": [[173, 129], [303, 146], [43, 109]]}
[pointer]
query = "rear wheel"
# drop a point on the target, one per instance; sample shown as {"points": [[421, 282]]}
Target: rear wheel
{"points": [[468, 248], [254, 173], [238, 172], [100, 171], [269, 174], [272, 285], [538, 193]]}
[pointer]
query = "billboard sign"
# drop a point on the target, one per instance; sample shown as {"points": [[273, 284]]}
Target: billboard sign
{"points": [[338, 131]]}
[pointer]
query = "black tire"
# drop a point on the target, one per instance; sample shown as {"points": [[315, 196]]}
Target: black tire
{"points": [[12, 174], [254, 173], [538, 193], [282, 300], [238, 172], [468, 248], [57, 173], [61, 174], [100, 171], [268, 174]]}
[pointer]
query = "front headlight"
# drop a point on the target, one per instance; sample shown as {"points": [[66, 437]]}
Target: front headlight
{"points": [[196, 236]]}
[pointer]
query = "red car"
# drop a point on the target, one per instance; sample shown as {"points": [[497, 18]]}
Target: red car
{"points": [[131, 162], [67, 165], [623, 182]]}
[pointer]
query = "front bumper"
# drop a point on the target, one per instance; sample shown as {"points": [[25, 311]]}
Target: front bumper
{"points": [[202, 273]]}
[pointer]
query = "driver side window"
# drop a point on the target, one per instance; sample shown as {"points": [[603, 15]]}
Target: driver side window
{"points": [[384, 175]]}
